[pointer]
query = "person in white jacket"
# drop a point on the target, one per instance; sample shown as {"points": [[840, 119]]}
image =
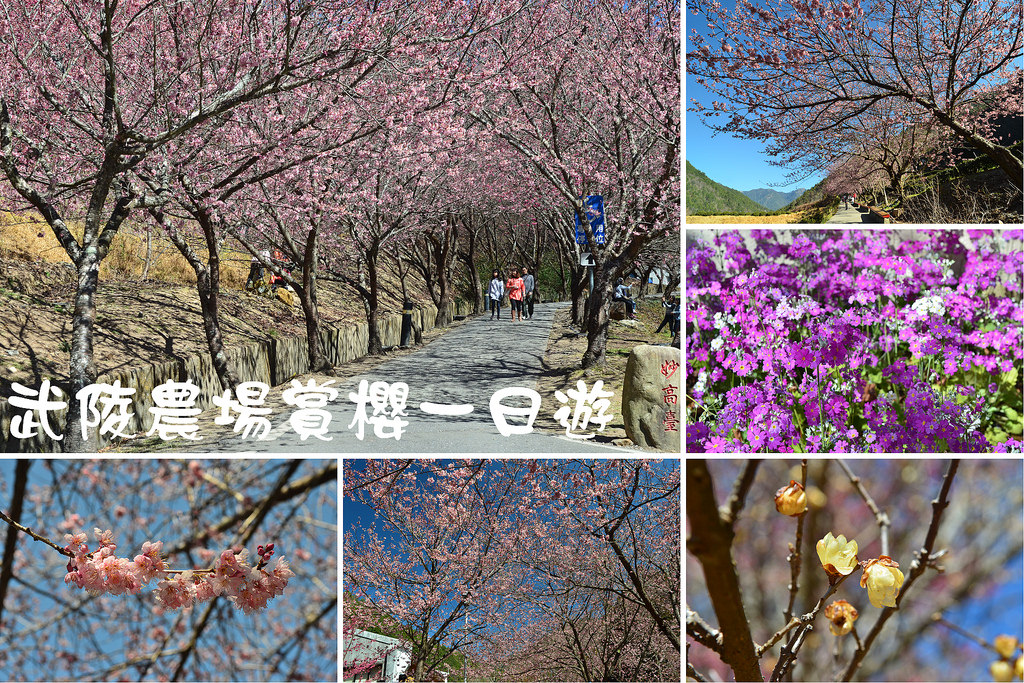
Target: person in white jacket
{"points": [[495, 292]]}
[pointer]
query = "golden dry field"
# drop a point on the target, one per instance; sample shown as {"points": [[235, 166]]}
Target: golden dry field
{"points": [[782, 218], [28, 238]]}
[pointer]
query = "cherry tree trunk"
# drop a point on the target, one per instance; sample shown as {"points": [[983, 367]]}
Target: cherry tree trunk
{"points": [[208, 284], [310, 309], [1003, 157], [311, 312], [208, 288], [371, 302], [597, 314], [82, 369], [579, 283], [469, 258]]}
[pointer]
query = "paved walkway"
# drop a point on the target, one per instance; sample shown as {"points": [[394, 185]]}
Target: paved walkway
{"points": [[849, 215], [463, 367]]}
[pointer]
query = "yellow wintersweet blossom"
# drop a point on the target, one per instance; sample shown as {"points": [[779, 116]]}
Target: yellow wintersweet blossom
{"points": [[1001, 671], [1005, 645], [883, 580], [838, 556], [791, 500], [841, 616]]}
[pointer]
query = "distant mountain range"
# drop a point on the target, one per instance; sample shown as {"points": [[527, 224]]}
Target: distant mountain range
{"points": [[815, 194], [706, 197], [773, 199]]}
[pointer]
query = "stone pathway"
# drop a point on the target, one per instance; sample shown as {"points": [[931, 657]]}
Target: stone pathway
{"points": [[464, 366], [849, 215]]}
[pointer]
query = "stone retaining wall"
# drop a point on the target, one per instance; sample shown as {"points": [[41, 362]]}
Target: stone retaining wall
{"points": [[273, 362]]}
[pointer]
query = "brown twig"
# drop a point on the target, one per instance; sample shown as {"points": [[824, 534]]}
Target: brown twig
{"points": [[938, 619], [880, 517], [777, 636], [856, 637], [702, 631], [794, 555], [917, 568], [694, 674], [738, 497], [789, 652], [42, 539], [711, 543]]}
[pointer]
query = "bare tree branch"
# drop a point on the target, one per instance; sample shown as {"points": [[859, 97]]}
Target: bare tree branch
{"points": [[787, 657], [711, 543], [11, 542], [917, 568], [777, 636], [794, 552], [938, 619], [328, 474], [740, 488], [702, 631], [880, 517]]}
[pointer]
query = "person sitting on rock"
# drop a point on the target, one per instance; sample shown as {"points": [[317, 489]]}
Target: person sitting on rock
{"points": [[622, 294], [256, 270]]}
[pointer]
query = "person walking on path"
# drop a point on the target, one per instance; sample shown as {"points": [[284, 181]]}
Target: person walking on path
{"points": [[530, 284], [671, 304], [515, 289], [495, 292]]}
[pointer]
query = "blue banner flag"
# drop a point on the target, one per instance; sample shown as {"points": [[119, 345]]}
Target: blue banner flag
{"points": [[594, 206]]}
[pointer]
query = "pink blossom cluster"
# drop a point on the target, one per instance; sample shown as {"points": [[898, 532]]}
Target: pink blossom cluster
{"points": [[249, 588], [102, 572]]}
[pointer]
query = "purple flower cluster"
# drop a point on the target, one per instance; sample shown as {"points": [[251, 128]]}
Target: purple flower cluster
{"points": [[829, 341]]}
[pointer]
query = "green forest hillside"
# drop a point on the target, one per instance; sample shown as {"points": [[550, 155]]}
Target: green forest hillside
{"points": [[706, 197], [815, 194]]}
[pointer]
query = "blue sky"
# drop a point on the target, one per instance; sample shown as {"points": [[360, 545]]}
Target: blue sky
{"points": [[356, 516], [733, 162], [129, 534]]}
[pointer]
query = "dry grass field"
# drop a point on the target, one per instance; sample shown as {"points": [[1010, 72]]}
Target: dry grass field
{"points": [[783, 218], [28, 238]]}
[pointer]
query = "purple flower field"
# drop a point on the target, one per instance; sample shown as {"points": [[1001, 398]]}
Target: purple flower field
{"points": [[843, 341]]}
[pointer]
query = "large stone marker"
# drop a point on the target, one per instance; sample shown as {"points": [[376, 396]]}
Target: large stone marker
{"points": [[650, 397]]}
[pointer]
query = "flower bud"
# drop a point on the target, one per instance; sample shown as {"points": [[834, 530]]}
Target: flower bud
{"points": [[838, 557], [841, 616], [1006, 646], [791, 500], [883, 580], [1001, 671]]}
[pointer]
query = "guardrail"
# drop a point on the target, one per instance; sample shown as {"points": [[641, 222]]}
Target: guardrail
{"points": [[875, 214]]}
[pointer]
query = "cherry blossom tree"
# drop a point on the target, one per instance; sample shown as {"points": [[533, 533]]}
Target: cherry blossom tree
{"points": [[108, 108], [589, 97], [213, 190], [196, 570], [92, 96], [448, 576], [854, 175], [501, 559], [792, 73]]}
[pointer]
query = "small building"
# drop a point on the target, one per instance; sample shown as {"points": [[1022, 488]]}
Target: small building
{"points": [[390, 657]]}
